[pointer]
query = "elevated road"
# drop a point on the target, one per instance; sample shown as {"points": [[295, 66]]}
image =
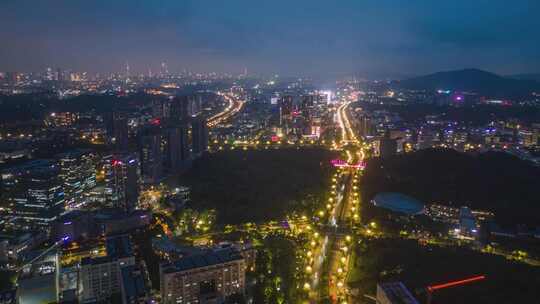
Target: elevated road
{"points": [[234, 105]]}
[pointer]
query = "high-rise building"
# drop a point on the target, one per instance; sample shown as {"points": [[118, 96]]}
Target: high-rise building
{"points": [[117, 130], [161, 109], [286, 105], [121, 133], [101, 278], [176, 146], [366, 125], [199, 135], [179, 109], [78, 173], [35, 192], [203, 278], [122, 175], [151, 155]]}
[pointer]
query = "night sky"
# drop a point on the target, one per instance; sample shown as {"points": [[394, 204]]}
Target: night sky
{"points": [[293, 37]]}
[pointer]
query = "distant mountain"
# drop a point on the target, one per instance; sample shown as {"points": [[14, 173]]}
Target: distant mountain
{"points": [[474, 80], [535, 77]]}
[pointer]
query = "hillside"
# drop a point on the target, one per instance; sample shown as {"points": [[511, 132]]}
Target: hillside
{"points": [[473, 80], [534, 77]]}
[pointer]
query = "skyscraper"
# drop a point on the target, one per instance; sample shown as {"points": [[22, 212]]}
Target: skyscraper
{"points": [[199, 135], [78, 173], [179, 109], [35, 192], [117, 130], [176, 146], [151, 156], [122, 174]]}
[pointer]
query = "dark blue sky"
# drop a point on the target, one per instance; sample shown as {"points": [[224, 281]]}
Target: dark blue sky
{"points": [[382, 37]]}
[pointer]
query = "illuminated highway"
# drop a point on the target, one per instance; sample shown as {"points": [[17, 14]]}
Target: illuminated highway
{"points": [[234, 106], [347, 133], [330, 257], [347, 210]]}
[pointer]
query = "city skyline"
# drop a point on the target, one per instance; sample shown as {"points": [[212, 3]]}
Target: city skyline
{"points": [[385, 39], [234, 152]]}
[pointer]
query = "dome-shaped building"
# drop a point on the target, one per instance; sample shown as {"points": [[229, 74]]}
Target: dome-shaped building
{"points": [[398, 202]]}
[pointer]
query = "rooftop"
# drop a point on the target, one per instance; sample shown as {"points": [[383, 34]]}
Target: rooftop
{"points": [[203, 260], [397, 293]]}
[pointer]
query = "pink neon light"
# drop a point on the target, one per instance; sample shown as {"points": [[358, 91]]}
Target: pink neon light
{"points": [[343, 164]]}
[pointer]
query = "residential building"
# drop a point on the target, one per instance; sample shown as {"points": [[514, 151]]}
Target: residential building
{"points": [[203, 278]]}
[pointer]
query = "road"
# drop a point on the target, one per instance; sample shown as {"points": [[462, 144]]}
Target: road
{"points": [[234, 105], [331, 258], [340, 241]]}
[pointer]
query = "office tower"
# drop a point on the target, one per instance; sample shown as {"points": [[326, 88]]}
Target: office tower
{"points": [[78, 173], [200, 278], [176, 147], [199, 135], [151, 156], [35, 193], [122, 174]]}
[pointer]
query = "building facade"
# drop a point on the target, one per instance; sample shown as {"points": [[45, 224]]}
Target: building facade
{"points": [[204, 278]]}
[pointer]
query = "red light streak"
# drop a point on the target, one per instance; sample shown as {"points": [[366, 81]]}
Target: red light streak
{"points": [[455, 283]]}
